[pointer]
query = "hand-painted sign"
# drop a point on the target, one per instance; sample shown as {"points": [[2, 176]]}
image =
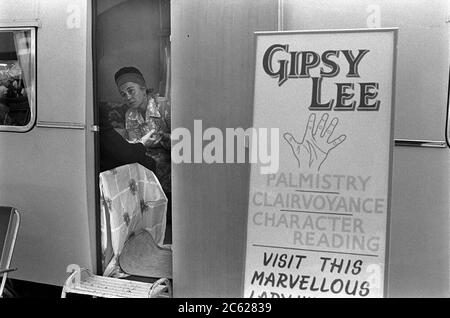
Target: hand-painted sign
{"points": [[319, 226]]}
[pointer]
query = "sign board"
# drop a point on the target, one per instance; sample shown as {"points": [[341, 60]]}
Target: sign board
{"points": [[318, 227]]}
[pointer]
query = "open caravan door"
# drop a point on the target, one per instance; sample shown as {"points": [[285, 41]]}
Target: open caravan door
{"points": [[213, 81]]}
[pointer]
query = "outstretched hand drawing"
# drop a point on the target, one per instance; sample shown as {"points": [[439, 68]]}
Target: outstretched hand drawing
{"points": [[316, 144]]}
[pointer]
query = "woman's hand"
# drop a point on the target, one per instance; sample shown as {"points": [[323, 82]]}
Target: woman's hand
{"points": [[151, 139]]}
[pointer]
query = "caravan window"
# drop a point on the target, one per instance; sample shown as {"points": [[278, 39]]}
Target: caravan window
{"points": [[17, 79]]}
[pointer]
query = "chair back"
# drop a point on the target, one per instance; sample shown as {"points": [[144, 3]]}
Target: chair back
{"points": [[9, 226], [132, 200]]}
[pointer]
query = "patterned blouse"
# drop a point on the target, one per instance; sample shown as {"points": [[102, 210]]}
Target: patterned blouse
{"points": [[157, 119]]}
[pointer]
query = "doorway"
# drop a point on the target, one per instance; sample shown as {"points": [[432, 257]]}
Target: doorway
{"points": [[132, 45]]}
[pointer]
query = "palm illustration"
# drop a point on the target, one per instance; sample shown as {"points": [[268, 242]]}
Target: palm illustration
{"points": [[316, 144]]}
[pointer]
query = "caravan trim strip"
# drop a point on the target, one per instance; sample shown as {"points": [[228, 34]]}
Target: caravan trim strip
{"points": [[420, 143]]}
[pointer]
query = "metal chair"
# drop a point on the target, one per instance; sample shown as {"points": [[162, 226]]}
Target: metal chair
{"points": [[9, 226]]}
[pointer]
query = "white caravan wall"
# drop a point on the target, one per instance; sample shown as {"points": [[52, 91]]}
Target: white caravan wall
{"points": [[44, 173]]}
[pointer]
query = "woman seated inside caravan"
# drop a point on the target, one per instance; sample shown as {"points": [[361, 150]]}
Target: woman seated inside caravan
{"points": [[147, 121]]}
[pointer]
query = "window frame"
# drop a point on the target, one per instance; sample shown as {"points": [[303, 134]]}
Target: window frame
{"points": [[33, 70]]}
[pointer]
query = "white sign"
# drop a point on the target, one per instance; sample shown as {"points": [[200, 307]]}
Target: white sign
{"points": [[319, 226]]}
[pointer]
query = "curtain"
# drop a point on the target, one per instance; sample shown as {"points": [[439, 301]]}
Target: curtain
{"points": [[22, 42], [168, 71]]}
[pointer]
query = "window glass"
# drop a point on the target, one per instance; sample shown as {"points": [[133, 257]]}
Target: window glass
{"points": [[17, 79]]}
